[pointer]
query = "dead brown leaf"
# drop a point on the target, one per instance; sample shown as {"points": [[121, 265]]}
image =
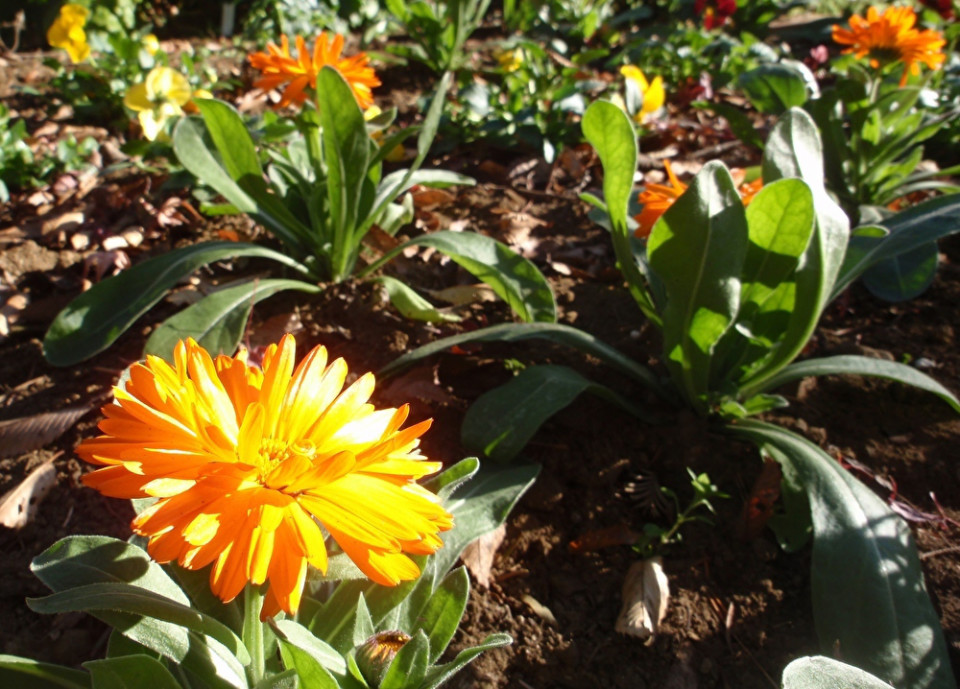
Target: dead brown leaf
{"points": [[27, 433], [420, 383], [19, 506], [478, 556]]}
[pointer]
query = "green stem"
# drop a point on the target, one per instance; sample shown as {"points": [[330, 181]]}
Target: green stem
{"points": [[253, 632]]}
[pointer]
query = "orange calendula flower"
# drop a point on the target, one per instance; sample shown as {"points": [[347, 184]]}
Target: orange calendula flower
{"points": [[891, 36], [656, 199], [254, 467], [280, 67]]}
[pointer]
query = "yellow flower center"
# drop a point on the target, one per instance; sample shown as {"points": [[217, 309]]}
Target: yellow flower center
{"points": [[274, 452]]}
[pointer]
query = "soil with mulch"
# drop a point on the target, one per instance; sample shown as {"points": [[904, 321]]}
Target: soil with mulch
{"points": [[740, 608]]}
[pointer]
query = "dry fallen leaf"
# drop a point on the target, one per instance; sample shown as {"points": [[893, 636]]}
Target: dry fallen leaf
{"points": [[541, 610], [646, 594], [461, 295], [27, 433], [19, 506], [478, 556]]}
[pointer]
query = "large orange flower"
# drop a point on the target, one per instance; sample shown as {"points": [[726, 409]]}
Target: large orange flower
{"points": [[891, 36], [254, 467], [280, 67]]}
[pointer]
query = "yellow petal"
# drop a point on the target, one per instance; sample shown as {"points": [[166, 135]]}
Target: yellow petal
{"points": [[633, 73], [167, 84], [653, 97], [136, 98]]}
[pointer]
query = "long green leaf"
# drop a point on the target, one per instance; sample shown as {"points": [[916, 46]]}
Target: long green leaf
{"points": [[410, 304], [773, 88], [819, 672], [609, 131], [921, 224], [248, 193], [697, 249], [311, 673], [780, 221], [218, 320], [439, 674], [869, 599], [94, 320], [441, 616], [296, 634], [129, 672], [904, 276], [503, 420], [24, 672], [862, 366], [79, 560], [138, 601], [552, 332], [512, 277], [794, 150], [481, 506]]}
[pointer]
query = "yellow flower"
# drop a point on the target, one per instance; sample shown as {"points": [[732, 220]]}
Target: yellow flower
{"points": [[254, 467], [67, 32], [151, 44], [157, 98], [510, 60], [652, 92], [889, 37]]}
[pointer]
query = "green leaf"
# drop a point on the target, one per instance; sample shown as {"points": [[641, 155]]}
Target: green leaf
{"points": [[409, 666], [441, 616], [480, 507], [125, 598], [794, 150], [91, 322], [780, 222], [412, 305], [819, 672], [773, 88], [513, 332], [129, 672], [311, 673], [908, 230], [439, 674], [79, 560], [32, 674], [863, 366], [697, 249], [451, 478], [297, 635], [217, 321], [610, 132], [237, 174], [503, 420], [512, 277], [869, 598], [289, 679], [904, 276]]}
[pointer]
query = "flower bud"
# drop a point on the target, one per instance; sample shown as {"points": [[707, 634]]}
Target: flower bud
{"points": [[376, 654]]}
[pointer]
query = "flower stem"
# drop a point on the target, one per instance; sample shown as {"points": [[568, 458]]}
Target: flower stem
{"points": [[253, 632]]}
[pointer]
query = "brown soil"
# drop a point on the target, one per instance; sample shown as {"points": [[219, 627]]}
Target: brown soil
{"points": [[740, 610]]}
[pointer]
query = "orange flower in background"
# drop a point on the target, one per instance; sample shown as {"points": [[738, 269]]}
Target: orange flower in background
{"points": [[891, 36], [253, 466], [656, 199], [280, 67]]}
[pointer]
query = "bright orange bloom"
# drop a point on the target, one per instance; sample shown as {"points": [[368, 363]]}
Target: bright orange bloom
{"points": [[279, 67], [657, 198], [889, 37], [254, 467]]}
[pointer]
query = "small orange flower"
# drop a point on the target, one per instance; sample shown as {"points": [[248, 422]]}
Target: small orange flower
{"points": [[890, 37], [280, 67], [657, 198], [254, 467]]}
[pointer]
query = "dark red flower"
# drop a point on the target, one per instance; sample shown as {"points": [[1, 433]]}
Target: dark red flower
{"points": [[715, 12], [944, 7]]}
